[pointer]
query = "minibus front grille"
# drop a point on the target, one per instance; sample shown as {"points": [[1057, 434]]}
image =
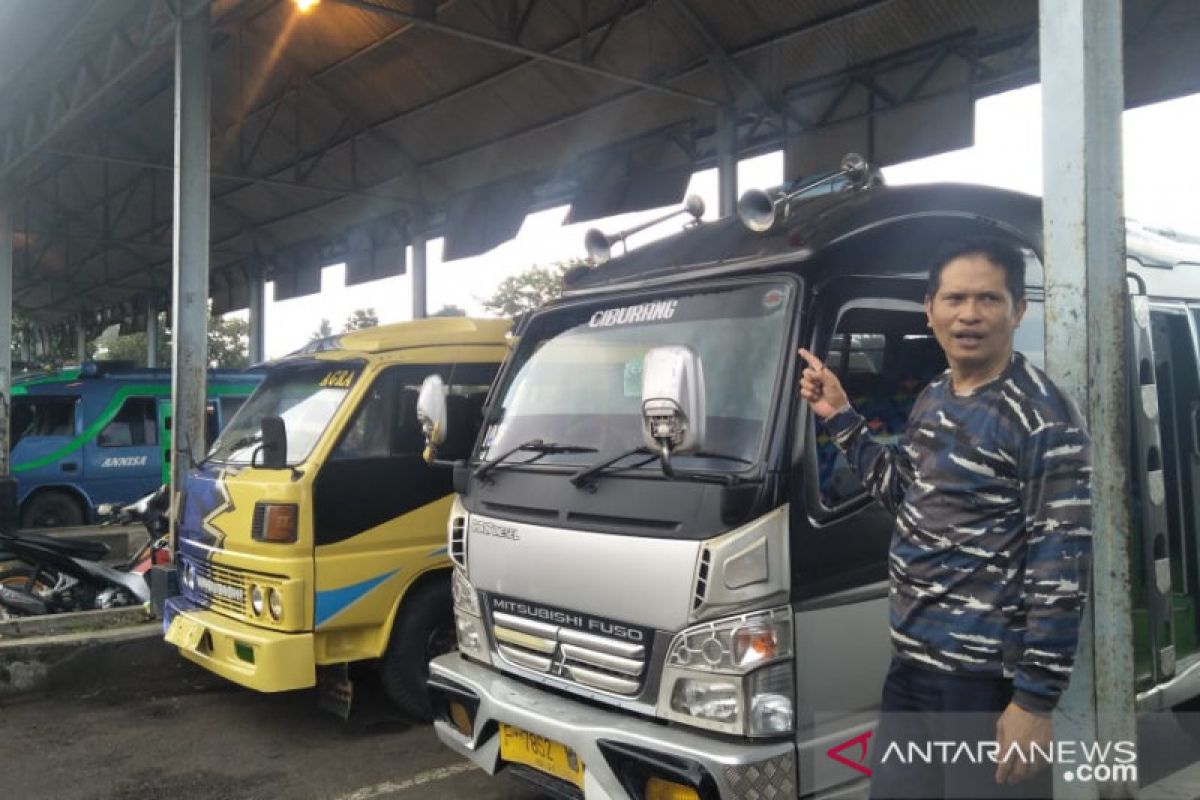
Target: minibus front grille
{"points": [[223, 587], [598, 662]]}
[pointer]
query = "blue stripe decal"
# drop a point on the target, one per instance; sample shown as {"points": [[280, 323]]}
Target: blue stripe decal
{"points": [[334, 601], [441, 551]]}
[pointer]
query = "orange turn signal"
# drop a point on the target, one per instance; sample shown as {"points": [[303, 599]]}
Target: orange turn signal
{"points": [[276, 522]]}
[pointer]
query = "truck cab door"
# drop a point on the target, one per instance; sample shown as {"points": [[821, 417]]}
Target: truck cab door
{"points": [[123, 458]]}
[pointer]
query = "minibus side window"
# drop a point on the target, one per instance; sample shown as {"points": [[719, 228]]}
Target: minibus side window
{"points": [[43, 416], [375, 471], [135, 425], [364, 436]]}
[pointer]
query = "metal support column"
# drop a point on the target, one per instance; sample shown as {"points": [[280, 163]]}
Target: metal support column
{"points": [[152, 311], [727, 161], [8, 486], [189, 317], [1082, 99], [418, 275], [257, 327]]}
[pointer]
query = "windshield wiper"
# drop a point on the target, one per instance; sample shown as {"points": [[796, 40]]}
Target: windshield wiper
{"points": [[234, 446], [532, 446], [585, 476]]}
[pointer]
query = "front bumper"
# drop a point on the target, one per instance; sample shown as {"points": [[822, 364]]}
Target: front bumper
{"points": [[737, 769], [280, 661]]}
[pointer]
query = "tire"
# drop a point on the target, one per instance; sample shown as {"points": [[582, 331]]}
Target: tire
{"points": [[424, 629], [51, 509]]}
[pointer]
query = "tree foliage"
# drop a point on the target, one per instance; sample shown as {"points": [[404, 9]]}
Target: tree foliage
{"points": [[361, 318], [323, 331], [228, 344], [61, 342], [528, 290], [449, 311]]}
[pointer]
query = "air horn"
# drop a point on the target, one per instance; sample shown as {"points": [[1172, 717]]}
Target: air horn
{"points": [[760, 211], [599, 244]]}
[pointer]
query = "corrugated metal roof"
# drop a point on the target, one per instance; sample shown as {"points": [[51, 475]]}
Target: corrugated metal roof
{"points": [[374, 110]]}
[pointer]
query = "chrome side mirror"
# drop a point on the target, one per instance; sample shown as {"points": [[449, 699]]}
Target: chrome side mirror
{"points": [[431, 413], [672, 401]]}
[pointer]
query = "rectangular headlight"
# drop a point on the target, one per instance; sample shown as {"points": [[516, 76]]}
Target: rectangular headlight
{"points": [[770, 695], [471, 639], [707, 698]]}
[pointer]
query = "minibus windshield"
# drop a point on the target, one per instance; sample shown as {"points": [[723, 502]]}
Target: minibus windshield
{"points": [[305, 396], [576, 379], [42, 416]]}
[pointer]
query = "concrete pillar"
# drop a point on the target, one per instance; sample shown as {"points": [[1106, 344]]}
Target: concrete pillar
{"points": [[152, 311], [727, 194], [1082, 99], [257, 321], [191, 237], [418, 275], [6, 321]]}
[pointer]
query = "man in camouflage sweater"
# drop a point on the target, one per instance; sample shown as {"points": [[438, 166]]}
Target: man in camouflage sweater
{"points": [[990, 487]]}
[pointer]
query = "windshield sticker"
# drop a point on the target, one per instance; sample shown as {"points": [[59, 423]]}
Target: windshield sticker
{"points": [[337, 379], [633, 377], [627, 315], [773, 299]]}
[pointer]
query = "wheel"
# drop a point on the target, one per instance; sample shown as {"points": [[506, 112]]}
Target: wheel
{"points": [[51, 509], [424, 629], [19, 577]]}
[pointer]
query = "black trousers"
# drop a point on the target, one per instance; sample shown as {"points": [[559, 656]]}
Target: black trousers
{"points": [[928, 743]]}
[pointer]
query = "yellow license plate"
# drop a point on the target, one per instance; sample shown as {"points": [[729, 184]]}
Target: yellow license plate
{"points": [[184, 633], [546, 755]]}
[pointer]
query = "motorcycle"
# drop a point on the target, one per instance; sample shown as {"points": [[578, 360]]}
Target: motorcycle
{"points": [[42, 574]]}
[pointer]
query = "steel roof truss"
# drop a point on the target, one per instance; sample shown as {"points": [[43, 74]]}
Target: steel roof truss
{"points": [[537, 55]]}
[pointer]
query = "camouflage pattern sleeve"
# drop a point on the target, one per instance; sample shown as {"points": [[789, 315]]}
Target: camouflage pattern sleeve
{"points": [[1055, 473], [884, 470]]}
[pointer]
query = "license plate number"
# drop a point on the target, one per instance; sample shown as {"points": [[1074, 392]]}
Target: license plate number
{"points": [[184, 633], [522, 747]]}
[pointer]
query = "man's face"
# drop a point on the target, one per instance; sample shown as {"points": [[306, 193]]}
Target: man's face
{"points": [[973, 314]]}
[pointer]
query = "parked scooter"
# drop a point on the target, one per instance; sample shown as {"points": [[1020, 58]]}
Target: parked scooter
{"points": [[42, 574]]}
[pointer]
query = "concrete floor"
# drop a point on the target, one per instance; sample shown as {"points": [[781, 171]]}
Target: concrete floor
{"points": [[134, 720], [151, 725]]}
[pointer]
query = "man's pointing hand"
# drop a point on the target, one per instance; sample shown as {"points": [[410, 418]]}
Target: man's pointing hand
{"points": [[820, 387]]}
